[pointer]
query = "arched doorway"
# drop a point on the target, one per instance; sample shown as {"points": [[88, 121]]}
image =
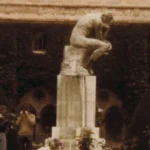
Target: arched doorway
{"points": [[48, 119], [109, 109], [114, 123]]}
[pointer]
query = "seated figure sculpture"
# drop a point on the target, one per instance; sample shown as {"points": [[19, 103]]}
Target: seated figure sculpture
{"points": [[90, 33]]}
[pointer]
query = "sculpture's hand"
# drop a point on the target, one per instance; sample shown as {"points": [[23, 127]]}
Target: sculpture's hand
{"points": [[110, 46], [108, 49]]}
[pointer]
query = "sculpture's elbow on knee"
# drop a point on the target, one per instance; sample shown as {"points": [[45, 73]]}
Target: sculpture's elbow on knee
{"points": [[73, 41]]}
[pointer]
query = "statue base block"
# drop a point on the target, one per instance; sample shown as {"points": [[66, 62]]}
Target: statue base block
{"points": [[71, 133], [68, 136], [72, 61], [76, 105], [76, 101]]}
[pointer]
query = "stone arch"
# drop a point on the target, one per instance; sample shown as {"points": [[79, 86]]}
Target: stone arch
{"points": [[48, 118], [109, 105], [38, 98], [114, 123], [106, 99]]}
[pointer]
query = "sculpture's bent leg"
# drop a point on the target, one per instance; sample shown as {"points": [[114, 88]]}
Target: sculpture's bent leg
{"points": [[102, 50], [86, 43], [98, 53]]}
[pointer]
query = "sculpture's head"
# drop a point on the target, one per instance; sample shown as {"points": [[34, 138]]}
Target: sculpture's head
{"points": [[107, 18]]}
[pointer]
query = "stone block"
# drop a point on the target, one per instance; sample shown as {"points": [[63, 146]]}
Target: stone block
{"points": [[72, 61], [64, 132], [77, 107]]}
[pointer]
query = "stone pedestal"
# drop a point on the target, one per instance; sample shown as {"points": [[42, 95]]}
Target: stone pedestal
{"points": [[76, 102], [73, 61]]}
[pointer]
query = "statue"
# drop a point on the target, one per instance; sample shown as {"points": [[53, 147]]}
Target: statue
{"points": [[89, 34], [81, 36]]}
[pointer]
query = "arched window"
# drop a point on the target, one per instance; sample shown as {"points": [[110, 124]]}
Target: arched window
{"points": [[39, 43]]}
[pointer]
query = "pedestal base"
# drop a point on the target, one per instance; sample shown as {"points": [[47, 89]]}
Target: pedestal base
{"points": [[76, 105], [76, 101], [72, 61], [71, 133]]}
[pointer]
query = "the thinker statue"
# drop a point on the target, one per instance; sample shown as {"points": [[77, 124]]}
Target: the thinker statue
{"points": [[87, 44], [90, 33]]}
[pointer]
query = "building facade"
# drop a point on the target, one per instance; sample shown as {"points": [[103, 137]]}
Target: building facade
{"points": [[33, 36], [65, 11]]}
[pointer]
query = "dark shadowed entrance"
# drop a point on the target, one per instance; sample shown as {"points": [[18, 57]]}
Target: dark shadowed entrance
{"points": [[48, 119], [114, 123]]}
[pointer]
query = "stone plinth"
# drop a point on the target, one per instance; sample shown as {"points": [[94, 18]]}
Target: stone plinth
{"points": [[76, 97], [72, 61], [76, 101]]}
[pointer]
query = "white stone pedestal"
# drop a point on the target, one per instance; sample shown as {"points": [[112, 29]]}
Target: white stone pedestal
{"points": [[73, 61], [76, 102]]}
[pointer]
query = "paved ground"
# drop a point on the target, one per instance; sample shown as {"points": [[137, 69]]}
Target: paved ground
{"points": [[115, 145]]}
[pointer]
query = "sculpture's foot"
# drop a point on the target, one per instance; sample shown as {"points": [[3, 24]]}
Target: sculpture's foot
{"points": [[91, 72], [90, 67], [82, 71]]}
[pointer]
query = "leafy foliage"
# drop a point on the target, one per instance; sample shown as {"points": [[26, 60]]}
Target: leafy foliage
{"points": [[55, 144], [85, 141]]}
